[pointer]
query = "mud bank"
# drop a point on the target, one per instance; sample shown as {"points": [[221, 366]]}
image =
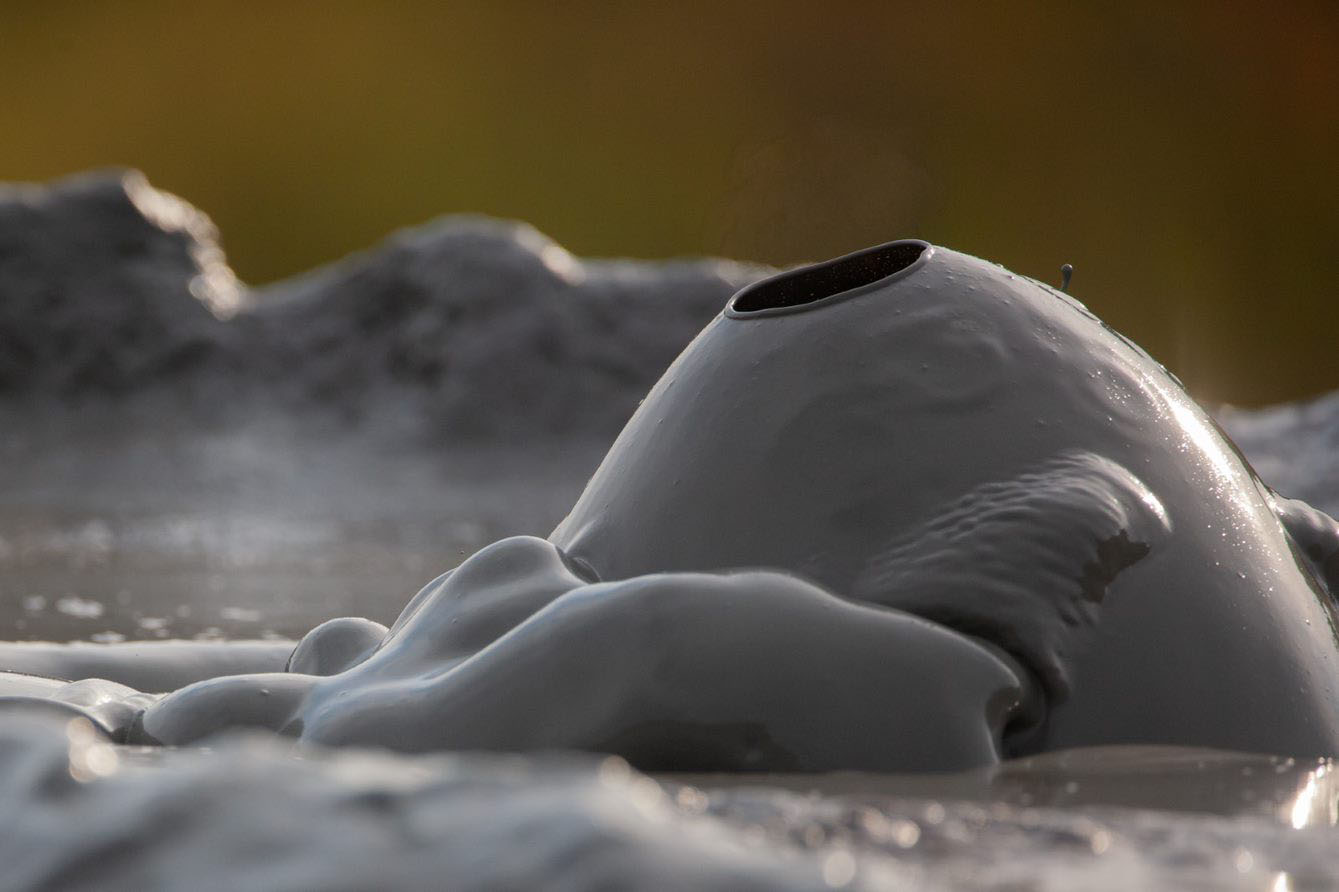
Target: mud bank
{"points": [[464, 327]]}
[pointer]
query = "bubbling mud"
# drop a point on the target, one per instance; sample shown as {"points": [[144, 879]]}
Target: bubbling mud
{"points": [[901, 511]]}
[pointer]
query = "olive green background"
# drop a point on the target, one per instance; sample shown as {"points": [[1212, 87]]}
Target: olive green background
{"points": [[1184, 157]]}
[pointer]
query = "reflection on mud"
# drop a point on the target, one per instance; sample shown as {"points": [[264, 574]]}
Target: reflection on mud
{"points": [[1317, 802], [248, 533], [1299, 792], [469, 816]]}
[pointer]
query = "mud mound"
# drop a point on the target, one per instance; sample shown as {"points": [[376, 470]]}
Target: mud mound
{"points": [[485, 327], [107, 286], [1293, 447], [110, 288]]}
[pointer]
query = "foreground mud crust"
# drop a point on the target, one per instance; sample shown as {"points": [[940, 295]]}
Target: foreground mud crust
{"points": [[900, 511], [79, 813]]}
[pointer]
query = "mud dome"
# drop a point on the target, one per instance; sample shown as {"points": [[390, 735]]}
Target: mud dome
{"points": [[723, 620], [1068, 588]]}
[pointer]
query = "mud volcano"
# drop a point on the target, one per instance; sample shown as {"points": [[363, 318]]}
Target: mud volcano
{"points": [[898, 511], [912, 427], [895, 512]]}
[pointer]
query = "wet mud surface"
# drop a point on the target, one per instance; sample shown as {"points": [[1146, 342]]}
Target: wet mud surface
{"points": [[81, 814], [251, 533]]}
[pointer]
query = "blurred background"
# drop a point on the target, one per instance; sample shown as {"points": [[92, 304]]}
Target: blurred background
{"points": [[1184, 157]]}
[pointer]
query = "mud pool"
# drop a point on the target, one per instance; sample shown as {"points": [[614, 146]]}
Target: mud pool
{"points": [[224, 524]]}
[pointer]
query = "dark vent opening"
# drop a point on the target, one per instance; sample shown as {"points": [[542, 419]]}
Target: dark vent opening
{"points": [[804, 286]]}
